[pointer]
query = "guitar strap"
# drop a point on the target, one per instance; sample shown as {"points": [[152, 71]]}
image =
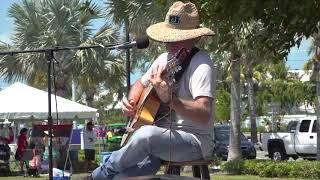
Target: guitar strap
{"points": [[185, 63]]}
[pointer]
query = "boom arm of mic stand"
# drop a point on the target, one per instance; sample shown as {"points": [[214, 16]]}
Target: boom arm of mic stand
{"points": [[60, 48]]}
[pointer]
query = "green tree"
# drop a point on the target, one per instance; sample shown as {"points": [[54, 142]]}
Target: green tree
{"points": [[314, 64], [284, 23], [135, 16], [50, 23], [222, 112]]}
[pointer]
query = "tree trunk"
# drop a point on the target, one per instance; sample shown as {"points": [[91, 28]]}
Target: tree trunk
{"points": [[252, 104], [318, 113], [90, 92], [63, 87], [62, 76], [316, 72], [234, 142]]}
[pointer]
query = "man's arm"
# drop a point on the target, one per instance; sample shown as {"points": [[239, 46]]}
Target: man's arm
{"points": [[135, 91], [129, 105], [198, 110]]}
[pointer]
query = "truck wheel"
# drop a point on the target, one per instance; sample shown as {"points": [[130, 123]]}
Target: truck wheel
{"points": [[277, 154]]}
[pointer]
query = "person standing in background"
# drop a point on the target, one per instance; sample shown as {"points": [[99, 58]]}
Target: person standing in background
{"points": [[11, 135], [6, 134], [22, 146], [89, 141]]}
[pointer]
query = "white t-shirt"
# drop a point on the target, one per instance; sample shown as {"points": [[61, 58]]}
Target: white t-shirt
{"points": [[197, 80], [89, 139]]}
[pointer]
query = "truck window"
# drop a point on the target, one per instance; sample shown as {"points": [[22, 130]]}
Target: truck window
{"points": [[314, 127], [304, 126]]}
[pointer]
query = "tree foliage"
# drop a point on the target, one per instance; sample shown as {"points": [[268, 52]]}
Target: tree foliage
{"points": [[50, 23], [286, 21]]}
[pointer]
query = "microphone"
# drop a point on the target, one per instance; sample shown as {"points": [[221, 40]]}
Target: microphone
{"points": [[139, 43]]}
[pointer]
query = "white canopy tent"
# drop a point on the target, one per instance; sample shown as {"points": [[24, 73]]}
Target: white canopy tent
{"points": [[22, 102]]}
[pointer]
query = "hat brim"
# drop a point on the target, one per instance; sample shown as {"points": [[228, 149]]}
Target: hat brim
{"points": [[162, 33]]}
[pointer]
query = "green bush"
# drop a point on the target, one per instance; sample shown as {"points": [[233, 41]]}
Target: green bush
{"points": [[274, 169], [305, 169], [268, 168], [234, 167], [252, 167]]}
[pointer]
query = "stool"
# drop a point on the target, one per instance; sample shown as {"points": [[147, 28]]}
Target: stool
{"points": [[199, 168]]}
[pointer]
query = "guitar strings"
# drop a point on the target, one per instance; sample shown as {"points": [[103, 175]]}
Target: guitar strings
{"points": [[170, 122]]}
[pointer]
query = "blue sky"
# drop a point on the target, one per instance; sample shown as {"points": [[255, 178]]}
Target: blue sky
{"points": [[5, 23], [296, 58]]}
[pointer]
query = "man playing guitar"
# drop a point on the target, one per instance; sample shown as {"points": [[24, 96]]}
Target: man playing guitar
{"points": [[183, 126]]}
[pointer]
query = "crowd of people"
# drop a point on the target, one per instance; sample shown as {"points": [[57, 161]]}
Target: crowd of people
{"points": [[32, 152], [32, 147]]}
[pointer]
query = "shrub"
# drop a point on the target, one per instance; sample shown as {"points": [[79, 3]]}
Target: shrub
{"points": [[234, 167], [305, 169], [268, 168], [253, 167]]}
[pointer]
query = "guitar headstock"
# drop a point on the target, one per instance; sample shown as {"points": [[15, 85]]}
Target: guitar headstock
{"points": [[174, 66]]}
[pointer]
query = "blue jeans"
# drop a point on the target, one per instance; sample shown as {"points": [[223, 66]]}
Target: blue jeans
{"points": [[146, 148]]}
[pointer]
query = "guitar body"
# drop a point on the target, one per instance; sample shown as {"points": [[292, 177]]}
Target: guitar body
{"points": [[148, 107]]}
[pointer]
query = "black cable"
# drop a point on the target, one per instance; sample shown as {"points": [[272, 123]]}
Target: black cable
{"points": [[57, 114]]}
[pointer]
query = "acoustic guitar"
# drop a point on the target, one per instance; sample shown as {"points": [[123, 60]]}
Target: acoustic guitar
{"points": [[149, 103]]}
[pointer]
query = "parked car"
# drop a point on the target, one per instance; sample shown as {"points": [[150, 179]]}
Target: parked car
{"points": [[299, 141], [222, 134]]}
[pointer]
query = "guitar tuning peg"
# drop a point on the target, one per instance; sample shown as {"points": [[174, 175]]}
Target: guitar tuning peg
{"points": [[178, 68]]}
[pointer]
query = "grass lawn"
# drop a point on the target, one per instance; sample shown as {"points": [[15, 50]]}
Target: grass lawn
{"points": [[246, 177], [213, 176]]}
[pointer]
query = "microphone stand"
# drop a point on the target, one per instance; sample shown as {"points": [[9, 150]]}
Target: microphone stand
{"points": [[49, 55]]}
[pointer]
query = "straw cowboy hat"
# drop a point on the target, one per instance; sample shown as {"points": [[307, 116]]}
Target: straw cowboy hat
{"points": [[181, 23]]}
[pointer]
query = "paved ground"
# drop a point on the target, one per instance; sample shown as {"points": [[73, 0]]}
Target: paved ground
{"points": [[261, 154]]}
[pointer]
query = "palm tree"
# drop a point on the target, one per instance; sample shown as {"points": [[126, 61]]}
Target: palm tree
{"points": [[49, 23], [251, 98], [136, 16], [234, 142], [252, 58], [315, 76]]}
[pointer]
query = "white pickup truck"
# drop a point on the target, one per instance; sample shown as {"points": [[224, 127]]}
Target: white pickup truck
{"points": [[299, 141]]}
